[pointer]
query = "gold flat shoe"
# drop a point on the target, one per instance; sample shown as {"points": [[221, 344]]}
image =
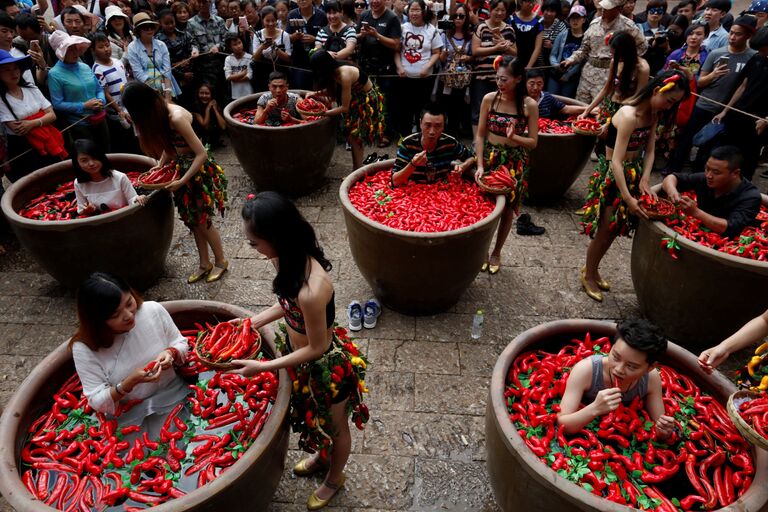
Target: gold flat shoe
{"points": [[308, 466], [315, 503], [217, 272], [484, 268], [493, 269], [199, 274], [601, 283], [598, 296]]}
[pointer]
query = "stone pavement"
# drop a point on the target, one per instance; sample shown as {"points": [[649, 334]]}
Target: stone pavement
{"points": [[424, 446]]}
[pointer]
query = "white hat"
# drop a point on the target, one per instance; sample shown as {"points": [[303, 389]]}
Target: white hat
{"points": [[60, 41], [611, 4], [112, 11]]}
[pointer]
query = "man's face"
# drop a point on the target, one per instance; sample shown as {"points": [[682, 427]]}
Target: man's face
{"points": [[719, 177], [376, 5], [738, 37], [12, 10], [432, 126], [27, 34], [278, 88], [6, 37], [686, 10], [303, 4], [74, 24], [713, 16], [535, 85], [611, 14]]}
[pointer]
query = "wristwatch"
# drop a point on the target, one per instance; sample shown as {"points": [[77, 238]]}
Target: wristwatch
{"points": [[119, 389]]}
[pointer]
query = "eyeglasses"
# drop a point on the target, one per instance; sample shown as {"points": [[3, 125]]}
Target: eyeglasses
{"points": [[656, 10], [359, 5], [458, 16]]}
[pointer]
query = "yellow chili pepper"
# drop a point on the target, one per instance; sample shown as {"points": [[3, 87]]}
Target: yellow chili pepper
{"points": [[763, 384], [305, 390], [358, 362], [753, 364], [762, 348], [295, 386]]}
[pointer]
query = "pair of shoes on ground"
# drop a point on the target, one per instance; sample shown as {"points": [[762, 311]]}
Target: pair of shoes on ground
{"points": [[360, 315], [211, 273], [375, 157], [602, 284], [526, 227], [309, 466]]}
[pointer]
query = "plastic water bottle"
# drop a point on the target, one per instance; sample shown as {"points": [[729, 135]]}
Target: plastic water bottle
{"points": [[477, 325]]}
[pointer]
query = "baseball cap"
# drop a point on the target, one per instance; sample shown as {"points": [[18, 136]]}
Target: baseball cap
{"points": [[757, 6], [579, 10], [748, 22]]}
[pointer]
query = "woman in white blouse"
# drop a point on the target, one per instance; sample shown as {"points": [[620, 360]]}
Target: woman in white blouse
{"points": [[117, 337]]}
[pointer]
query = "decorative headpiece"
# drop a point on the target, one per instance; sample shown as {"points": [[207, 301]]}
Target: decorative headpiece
{"points": [[497, 62], [669, 82]]}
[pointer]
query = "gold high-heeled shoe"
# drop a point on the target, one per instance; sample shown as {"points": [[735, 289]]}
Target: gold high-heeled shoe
{"points": [[493, 269], [308, 466], [315, 503], [601, 283], [199, 274], [598, 296], [217, 272], [484, 268]]}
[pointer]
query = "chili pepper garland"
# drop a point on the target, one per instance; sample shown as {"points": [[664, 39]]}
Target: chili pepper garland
{"points": [[422, 207], [75, 459], [705, 463], [60, 202]]}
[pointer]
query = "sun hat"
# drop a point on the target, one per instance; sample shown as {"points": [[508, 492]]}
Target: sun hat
{"points": [[6, 58], [611, 4], [578, 10], [143, 19], [112, 11], [757, 6], [60, 41]]}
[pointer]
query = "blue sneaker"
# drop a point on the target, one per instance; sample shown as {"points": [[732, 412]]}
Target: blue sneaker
{"points": [[371, 313], [355, 316]]}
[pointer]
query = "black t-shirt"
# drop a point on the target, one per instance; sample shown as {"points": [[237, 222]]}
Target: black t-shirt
{"points": [[739, 208], [755, 97], [300, 51], [373, 55]]}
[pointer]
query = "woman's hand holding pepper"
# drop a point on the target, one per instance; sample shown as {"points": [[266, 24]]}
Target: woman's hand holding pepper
{"points": [[664, 426], [713, 357], [248, 367], [164, 359], [633, 205], [645, 188]]}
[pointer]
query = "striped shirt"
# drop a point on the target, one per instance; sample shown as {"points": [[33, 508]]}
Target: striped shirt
{"points": [[439, 161]]}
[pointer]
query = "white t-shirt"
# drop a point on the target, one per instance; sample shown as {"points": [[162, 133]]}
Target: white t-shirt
{"points": [[417, 46], [233, 66], [111, 77], [282, 42], [26, 75], [100, 370], [32, 101], [115, 191]]}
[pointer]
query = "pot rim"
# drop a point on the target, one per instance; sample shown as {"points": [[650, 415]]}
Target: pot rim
{"points": [[533, 465], [235, 105], [736, 261], [46, 225], [19, 497], [356, 175]]}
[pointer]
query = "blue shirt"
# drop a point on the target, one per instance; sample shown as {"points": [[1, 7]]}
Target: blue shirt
{"points": [[152, 70], [716, 39], [70, 86], [549, 106]]}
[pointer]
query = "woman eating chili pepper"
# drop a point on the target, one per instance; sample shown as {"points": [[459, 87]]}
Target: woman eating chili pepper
{"points": [[326, 367], [627, 372], [623, 173], [118, 338]]}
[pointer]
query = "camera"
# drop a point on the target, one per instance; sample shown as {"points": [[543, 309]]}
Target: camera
{"points": [[445, 24]]}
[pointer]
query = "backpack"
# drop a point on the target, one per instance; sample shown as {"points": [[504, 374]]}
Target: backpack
{"points": [[458, 75]]}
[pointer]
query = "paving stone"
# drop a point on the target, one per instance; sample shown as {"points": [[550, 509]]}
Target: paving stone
{"points": [[451, 485], [451, 393], [390, 391]]}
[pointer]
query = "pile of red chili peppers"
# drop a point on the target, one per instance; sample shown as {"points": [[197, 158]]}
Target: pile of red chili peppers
{"points": [[60, 204], [249, 117], [554, 126], [165, 174], [755, 413], [704, 463], [227, 341], [79, 460], [422, 207], [752, 243]]}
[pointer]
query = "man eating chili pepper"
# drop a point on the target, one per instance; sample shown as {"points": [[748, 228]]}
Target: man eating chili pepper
{"points": [[727, 203], [627, 372]]}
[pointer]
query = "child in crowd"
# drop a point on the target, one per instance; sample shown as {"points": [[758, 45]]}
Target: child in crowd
{"points": [[112, 77], [98, 187], [278, 106], [627, 372], [208, 122], [237, 67]]}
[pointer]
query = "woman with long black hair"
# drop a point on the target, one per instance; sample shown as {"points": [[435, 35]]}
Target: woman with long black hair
{"points": [[326, 367], [356, 97], [166, 134]]}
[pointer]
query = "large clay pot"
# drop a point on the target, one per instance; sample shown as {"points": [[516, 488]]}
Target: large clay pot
{"points": [[519, 479], [248, 485], [700, 298], [556, 162], [289, 159], [415, 273], [131, 242]]}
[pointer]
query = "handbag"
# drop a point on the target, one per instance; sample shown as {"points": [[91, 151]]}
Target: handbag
{"points": [[458, 75]]}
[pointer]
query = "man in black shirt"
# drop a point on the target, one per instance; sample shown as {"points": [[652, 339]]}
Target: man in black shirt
{"points": [[378, 36], [304, 23], [727, 203]]}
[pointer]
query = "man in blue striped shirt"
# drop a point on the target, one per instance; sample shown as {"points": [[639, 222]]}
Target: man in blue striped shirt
{"points": [[429, 154]]}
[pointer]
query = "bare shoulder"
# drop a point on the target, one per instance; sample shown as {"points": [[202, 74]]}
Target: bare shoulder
{"points": [[318, 289], [178, 114]]}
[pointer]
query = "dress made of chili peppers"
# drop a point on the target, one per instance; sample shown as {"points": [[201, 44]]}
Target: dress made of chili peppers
{"points": [[752, 243], [422, 207], [603, 192], [316, 384], [60, 204], [704, 463], [198, 200], [76, 459]]}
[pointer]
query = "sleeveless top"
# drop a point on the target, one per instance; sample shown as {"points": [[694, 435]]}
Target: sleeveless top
{"points": [[294, 317], [498, 122], [641, 389], [637, 139]]}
